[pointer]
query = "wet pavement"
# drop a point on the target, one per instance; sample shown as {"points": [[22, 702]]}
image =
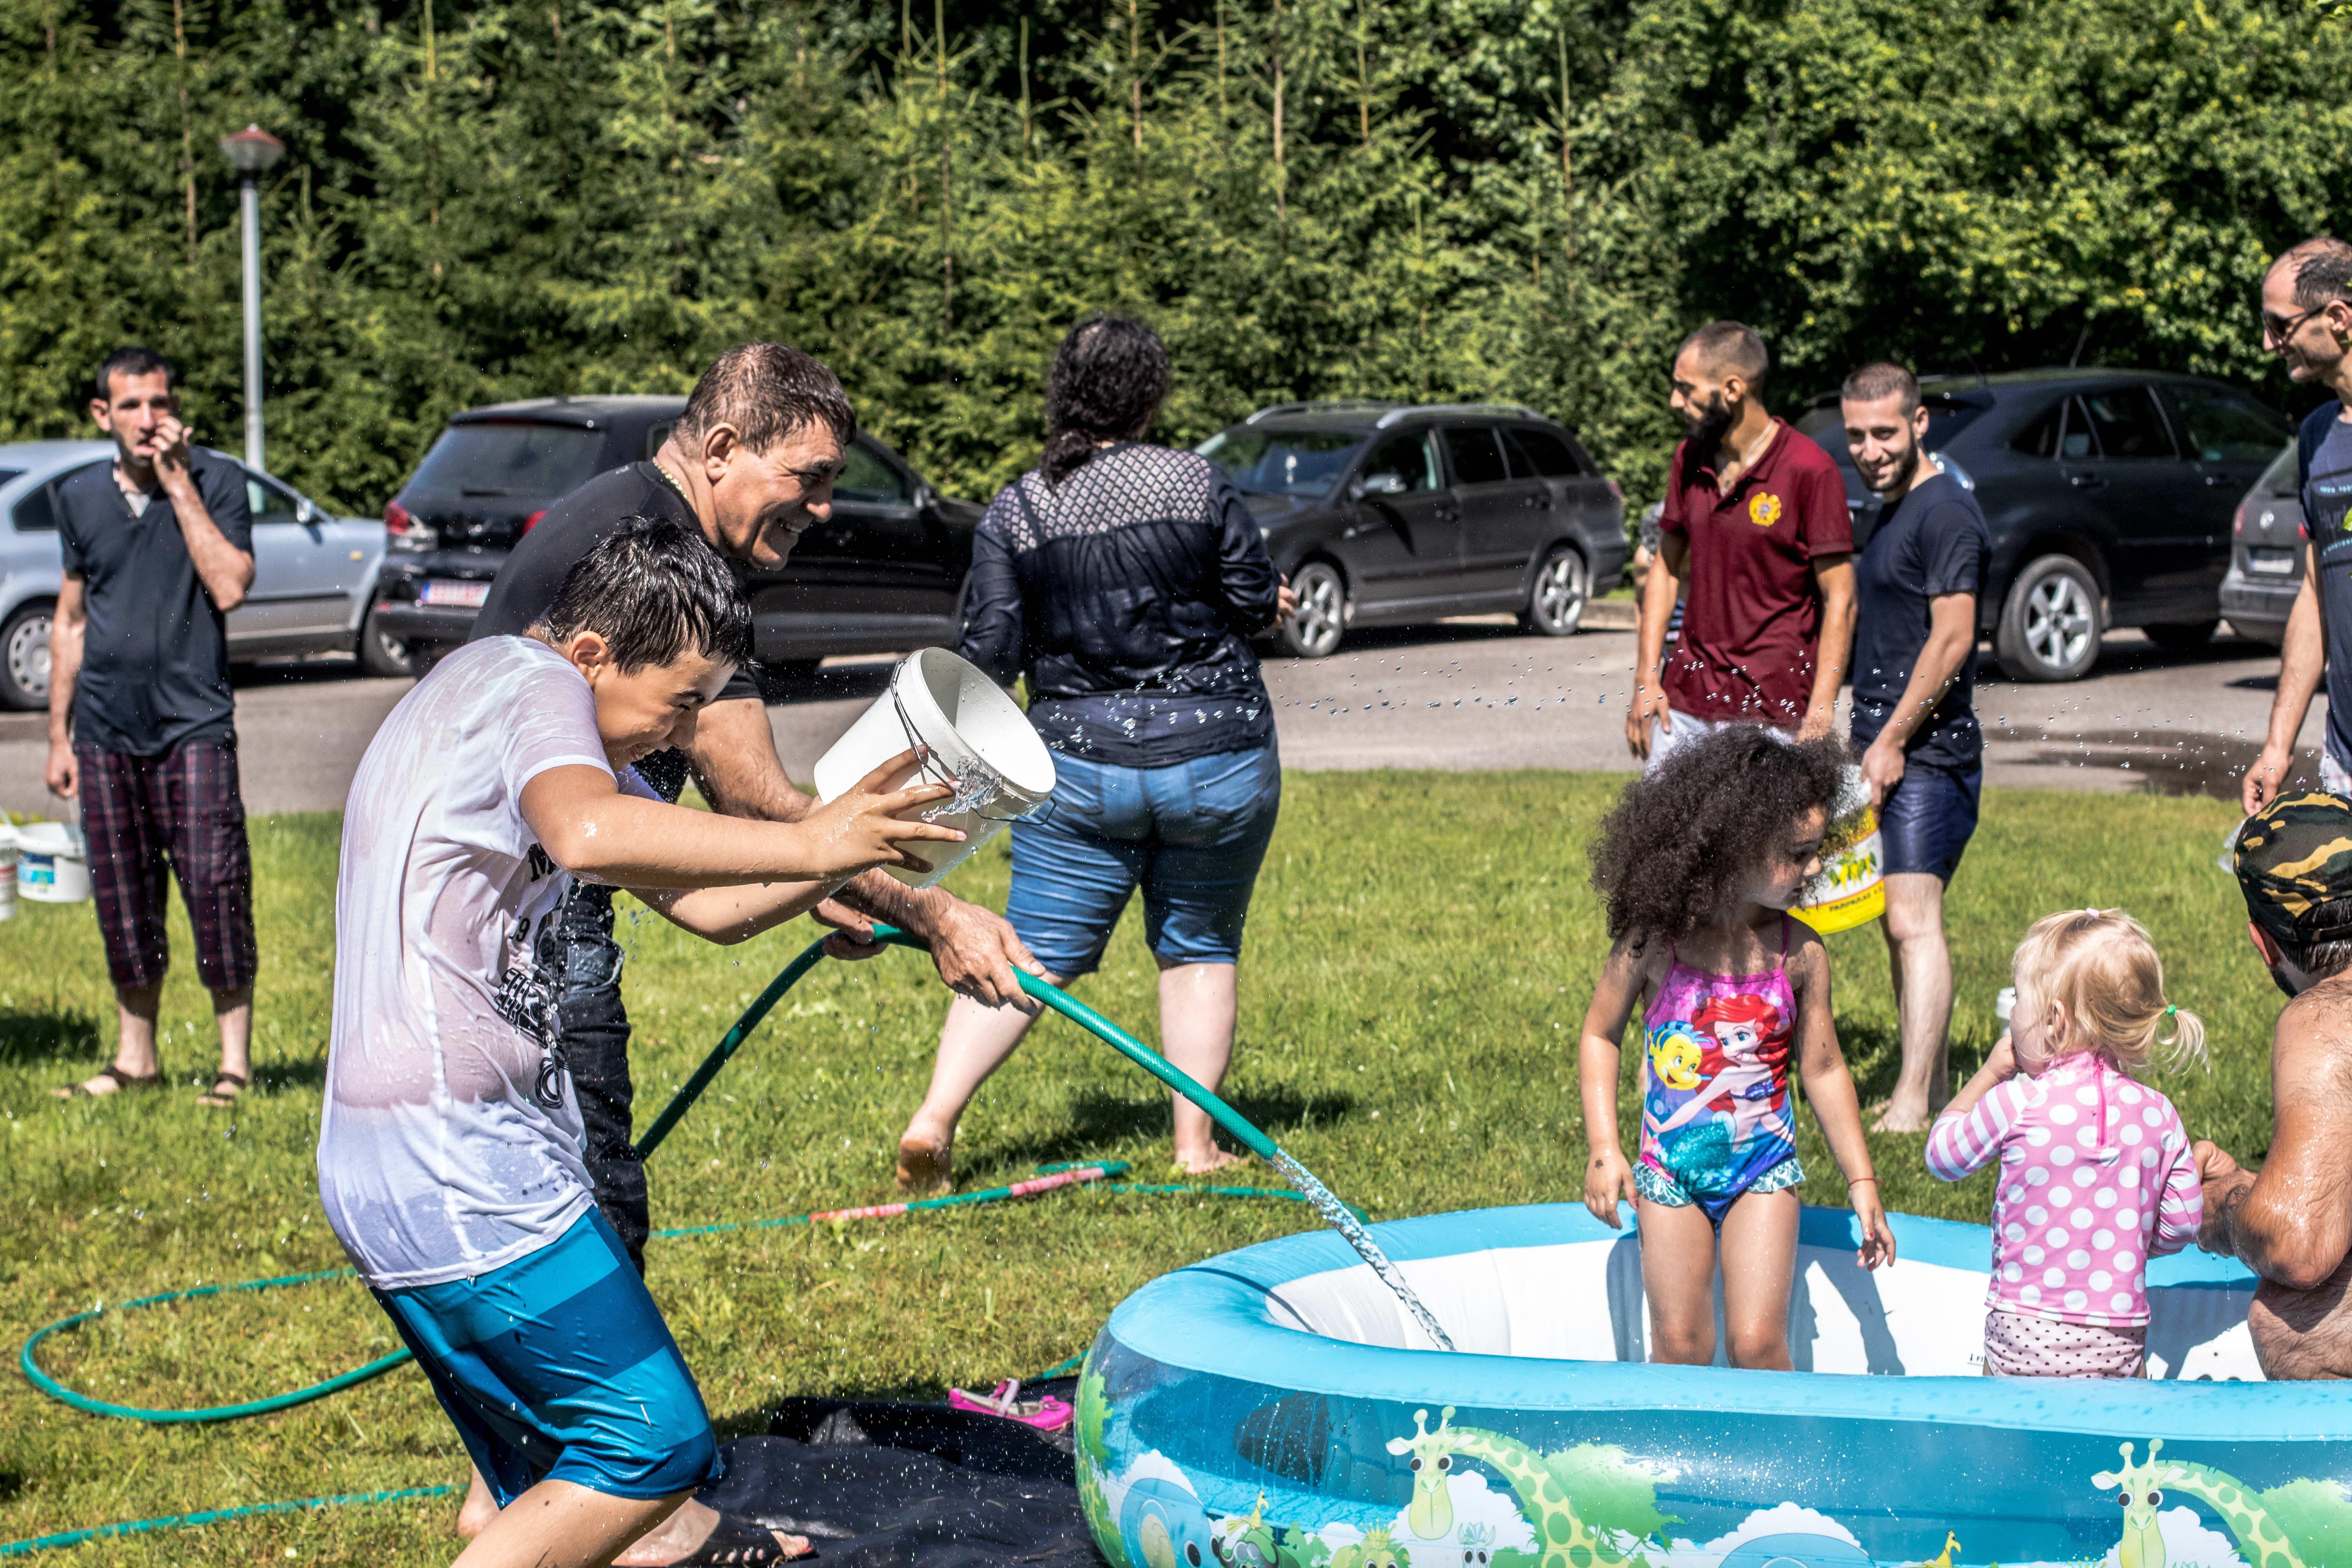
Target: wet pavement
{"points": [[1465, 695]]}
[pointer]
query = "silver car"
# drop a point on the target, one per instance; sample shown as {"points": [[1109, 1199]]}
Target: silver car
{"points": [[313, 575], [2265, 554]]}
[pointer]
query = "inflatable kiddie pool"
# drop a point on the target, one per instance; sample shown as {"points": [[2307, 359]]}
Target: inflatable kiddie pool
{"points": [[1273, 1408]]}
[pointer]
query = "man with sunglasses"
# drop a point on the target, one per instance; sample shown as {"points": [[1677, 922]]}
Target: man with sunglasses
{"points": [[751, 465], [2308, 322]]}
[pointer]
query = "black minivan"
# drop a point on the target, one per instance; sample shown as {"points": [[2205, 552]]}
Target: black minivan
{"points": [[883, 574], [1389, 514]]}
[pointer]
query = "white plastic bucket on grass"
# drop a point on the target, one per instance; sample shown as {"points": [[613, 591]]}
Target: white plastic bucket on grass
{"points": [[979, 739], [52, 867]]}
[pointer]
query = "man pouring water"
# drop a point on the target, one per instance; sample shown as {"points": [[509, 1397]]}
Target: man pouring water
{"points": [[751, 467]]}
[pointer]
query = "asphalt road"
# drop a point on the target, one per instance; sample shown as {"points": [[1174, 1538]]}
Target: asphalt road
{"points": [[1475, 694]]}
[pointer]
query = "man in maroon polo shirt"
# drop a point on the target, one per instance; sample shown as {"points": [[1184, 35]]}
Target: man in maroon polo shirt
{"points": [[1755, 529]]}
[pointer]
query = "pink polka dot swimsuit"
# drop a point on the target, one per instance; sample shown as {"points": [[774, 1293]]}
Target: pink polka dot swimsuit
{"points": [[2096, 1179]]}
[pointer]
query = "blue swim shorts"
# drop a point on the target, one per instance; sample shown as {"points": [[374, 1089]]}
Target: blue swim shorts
{"points": [[1926, 821], [559, 1366], [1190, 834]]}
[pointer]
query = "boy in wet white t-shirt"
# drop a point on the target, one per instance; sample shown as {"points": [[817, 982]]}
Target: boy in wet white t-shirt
{"points": [[449, 1153]]}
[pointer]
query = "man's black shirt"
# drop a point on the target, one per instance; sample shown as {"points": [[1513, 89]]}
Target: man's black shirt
{"points": [[1933, 541], [534, 572], [154, 662]]}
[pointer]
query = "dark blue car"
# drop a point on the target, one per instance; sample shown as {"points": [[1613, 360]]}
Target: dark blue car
{"points": [[2109, 495]]}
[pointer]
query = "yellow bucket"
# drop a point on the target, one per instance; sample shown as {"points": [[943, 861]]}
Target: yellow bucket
{"points": [[1851, 888]]}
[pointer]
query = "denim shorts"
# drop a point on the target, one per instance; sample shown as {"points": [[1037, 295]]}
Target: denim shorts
{"points": [[1926, 822], [558, 1366], [1190, 834]]}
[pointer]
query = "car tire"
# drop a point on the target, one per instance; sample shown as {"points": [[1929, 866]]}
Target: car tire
{"points": [[382, 654], [1322, 618], [1563, 586], [2181, 636], [25, 657], [2050, 626]]}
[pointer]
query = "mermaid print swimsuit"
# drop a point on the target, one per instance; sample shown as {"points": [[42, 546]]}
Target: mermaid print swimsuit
{"points": [[1716, 1120]]}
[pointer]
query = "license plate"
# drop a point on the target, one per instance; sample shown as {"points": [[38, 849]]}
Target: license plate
{"points": [[450, 591], [2273, 562]]}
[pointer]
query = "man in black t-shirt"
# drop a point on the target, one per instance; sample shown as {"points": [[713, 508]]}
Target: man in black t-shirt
{"points": [[158, 548], [750, 465], [1915, 659]]}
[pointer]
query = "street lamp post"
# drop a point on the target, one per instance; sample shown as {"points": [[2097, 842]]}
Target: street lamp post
{"points": [[251, 152]]}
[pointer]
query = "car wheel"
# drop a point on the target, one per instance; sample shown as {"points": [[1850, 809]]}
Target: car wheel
{"points": [[25, 658], [2184, 637], [2051, 626], [383, 654], [1315, 631], [1556, 604]]}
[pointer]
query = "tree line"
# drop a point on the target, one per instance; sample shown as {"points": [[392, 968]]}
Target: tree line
{"points": [[1525, 200]]}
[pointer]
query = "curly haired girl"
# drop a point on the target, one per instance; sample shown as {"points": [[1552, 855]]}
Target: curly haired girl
{"points": [[1698, 865]]}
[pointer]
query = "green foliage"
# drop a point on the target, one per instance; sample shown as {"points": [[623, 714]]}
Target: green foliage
{"points": [[1528, 199], [2317, 1516], [1612, 1490]]}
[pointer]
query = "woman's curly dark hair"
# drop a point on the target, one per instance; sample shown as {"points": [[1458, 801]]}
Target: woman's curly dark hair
{"points": [[1683, 833], [1110, 376]]}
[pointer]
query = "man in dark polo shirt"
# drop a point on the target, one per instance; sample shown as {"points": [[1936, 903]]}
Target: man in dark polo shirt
{"points": [[1915, 670], [1755, 529], [158, 549]]}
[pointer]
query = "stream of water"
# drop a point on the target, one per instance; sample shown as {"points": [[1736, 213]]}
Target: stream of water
{"points": [[1343, 1219]]}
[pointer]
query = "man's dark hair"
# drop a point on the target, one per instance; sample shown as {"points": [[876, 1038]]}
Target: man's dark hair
{"points": [[1882, 378], [2322, 270], [133, 359], [654, 591], [767, 392], [2320, 960], [1111, 376], [1736, 345], [1684, 835]]}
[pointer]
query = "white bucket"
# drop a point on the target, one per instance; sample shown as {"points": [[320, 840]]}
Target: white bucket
{"points": [[52, 867], [1851, 888], [979, 739]]}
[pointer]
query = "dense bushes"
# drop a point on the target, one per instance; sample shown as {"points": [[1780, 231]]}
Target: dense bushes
{"points": [[510, 197]]}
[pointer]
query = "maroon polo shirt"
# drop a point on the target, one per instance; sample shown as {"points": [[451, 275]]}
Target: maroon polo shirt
{"points": [[1752, 626]]}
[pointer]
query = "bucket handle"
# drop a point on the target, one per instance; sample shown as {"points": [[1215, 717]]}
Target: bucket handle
{"points": [[992, 782]]}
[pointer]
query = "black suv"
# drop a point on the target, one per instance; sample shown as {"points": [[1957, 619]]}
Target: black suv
{"points": [[883, 574], [1387, 515], [2108, 494]]}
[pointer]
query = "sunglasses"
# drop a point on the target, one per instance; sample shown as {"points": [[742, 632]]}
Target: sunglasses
{"points": [[2277, 328]]}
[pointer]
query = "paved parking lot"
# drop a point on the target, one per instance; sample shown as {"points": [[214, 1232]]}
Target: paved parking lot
{"points": [[1475, 694]]}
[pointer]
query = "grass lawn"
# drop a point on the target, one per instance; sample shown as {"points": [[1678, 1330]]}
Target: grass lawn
{"points": [[1418, 966]]}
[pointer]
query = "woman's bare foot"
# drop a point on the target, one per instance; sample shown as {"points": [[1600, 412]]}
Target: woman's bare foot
{"points": [[687, 1536], [1200, 1162], [926, 1170], [474, 1515]]}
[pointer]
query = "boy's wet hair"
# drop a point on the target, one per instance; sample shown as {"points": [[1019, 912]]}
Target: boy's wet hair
{"points": [[1685, 834], [655, 591]]}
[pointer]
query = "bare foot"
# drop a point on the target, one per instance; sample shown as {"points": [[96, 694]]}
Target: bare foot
{"points": [[926, 1170], [474, 1515], [1898, 1117], [1196, 1163], [687, 1535]]}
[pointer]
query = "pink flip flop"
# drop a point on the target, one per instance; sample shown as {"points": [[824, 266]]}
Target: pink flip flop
{"points": [[1048, 1415]]}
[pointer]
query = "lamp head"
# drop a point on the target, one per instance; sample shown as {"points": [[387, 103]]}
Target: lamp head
{"points": [[252, 151]]}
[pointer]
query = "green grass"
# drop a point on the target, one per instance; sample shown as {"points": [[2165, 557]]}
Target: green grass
{"points": [[1418, 966]]}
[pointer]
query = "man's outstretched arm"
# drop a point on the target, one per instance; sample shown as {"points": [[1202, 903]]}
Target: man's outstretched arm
{"points": [[2291, 1222], [2302, 665], [736, 765]]}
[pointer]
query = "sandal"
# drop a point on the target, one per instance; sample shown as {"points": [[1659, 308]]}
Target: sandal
{"points": [[215, 1099], [122, 1080], [732, 1543]]}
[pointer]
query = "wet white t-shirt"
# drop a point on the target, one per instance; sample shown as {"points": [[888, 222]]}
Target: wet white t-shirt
{"points": [[439, 1155]]}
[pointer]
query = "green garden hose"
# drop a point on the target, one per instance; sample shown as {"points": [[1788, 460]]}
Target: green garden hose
{"points": [[1095, 1173]]}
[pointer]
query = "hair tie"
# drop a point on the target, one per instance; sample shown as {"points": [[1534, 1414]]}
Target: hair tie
{"points": [[2172, 1012]]}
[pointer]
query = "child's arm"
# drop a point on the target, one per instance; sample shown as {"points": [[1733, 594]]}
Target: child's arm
{"points": [[2181, 1210], [1830, 1087], [1968, 1134], [1608, 1179], [592, 828]]}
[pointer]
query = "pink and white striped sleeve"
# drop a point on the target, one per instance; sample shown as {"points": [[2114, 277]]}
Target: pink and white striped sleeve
{"points": [[2182, 1208], [1964, 1144]]}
